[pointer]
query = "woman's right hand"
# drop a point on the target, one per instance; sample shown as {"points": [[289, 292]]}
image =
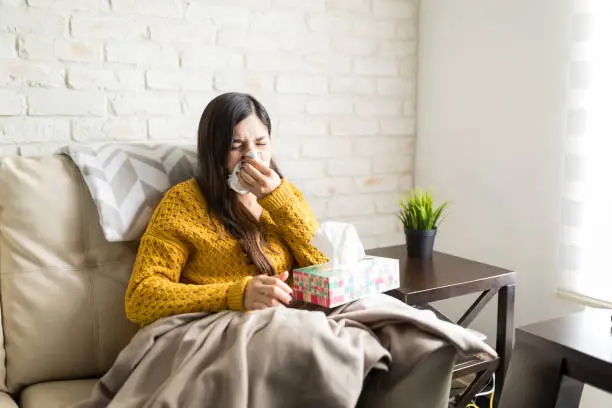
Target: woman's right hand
{"points": [[265, 291]]}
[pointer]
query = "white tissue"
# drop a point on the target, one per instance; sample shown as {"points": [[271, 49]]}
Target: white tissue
{"points": [[340, 243], [233, 181]]}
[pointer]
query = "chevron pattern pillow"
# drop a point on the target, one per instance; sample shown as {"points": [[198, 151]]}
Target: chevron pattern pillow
{"points": [[127, 180]]}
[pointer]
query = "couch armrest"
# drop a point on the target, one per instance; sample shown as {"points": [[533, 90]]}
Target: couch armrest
{"points": [[6, 401]]}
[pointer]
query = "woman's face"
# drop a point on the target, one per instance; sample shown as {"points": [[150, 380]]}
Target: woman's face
{"points": [[249, 135]]}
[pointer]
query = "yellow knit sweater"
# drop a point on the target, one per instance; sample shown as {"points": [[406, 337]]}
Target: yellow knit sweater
{"points": [[184, 264]]}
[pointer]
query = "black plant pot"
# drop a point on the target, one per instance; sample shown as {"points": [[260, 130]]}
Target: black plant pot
{"points": [[420, 244]]}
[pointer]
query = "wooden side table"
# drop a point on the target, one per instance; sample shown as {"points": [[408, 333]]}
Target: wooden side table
{"points": [[555, 358], [446, 276]]}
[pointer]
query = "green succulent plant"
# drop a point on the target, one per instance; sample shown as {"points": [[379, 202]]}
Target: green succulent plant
{"points": [[417, 211]]}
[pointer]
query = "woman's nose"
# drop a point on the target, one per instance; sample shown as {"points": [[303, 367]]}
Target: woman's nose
{"points": [[247, 147]]}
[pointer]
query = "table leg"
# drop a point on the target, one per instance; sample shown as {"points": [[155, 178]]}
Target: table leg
{"points": [[505, 335], [480, 303], [570, 393], [476, 386]]}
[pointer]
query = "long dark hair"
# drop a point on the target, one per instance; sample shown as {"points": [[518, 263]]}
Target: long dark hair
{"points": [[215, 135]]}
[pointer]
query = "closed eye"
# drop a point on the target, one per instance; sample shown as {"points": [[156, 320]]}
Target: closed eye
{"points": [[260, 141]]}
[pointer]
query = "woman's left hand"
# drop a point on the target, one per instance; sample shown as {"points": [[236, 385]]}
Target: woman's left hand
{"points": [[258, 178]]}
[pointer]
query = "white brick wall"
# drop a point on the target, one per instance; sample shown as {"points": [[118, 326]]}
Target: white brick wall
{"points": [[7, 45], [109, 78], [337, 76], [59, 102], [11, 103], [113, 128], [72, 50]]}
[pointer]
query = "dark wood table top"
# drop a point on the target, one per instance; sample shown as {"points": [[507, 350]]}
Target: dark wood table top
{"points": [[443, 276], [585, 335]]}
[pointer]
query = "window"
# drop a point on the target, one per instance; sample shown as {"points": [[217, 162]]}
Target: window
{"points": [[586, 250]]}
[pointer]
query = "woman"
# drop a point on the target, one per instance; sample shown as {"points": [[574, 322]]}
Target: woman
{"points": [[209, 248]]}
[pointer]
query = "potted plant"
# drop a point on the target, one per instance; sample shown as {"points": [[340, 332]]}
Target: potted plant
{"points": [[420, 219]]}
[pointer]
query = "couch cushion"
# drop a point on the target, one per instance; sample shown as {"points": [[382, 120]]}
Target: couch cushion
{"points": [[127, 180], [6, 401], [56, 394], [62, 284]]}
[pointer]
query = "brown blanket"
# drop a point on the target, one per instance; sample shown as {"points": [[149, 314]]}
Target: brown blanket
{"points": [[280, 357]]}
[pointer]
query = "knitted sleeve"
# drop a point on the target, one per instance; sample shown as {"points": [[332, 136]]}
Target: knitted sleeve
{"points": [[154, 290], [296, 221]]}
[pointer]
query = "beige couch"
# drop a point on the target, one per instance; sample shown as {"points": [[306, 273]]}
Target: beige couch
{"points": [[62, 287]]}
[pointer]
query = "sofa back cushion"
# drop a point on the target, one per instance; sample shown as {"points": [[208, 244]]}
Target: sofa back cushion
{"points": [[62, 283], [127, 180]]}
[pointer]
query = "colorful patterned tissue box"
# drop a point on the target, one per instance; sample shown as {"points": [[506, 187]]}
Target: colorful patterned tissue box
{"points": [[326, 286]]}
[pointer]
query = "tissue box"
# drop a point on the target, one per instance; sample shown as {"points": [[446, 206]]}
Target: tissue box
{"points": [[327, 286]]}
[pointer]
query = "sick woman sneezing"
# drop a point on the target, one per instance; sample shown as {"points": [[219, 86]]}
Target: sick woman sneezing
{"points": [[211, 248], [210, 287]]}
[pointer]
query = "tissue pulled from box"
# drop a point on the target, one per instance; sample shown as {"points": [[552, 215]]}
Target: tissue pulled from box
{"points": [[339, 242], [349, 274]]}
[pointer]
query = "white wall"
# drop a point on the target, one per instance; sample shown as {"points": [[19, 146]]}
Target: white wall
{"points": [[337, 76], [490, 123]]}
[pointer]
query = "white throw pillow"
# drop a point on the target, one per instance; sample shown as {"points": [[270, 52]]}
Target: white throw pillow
{"points": [[127, 180]]}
